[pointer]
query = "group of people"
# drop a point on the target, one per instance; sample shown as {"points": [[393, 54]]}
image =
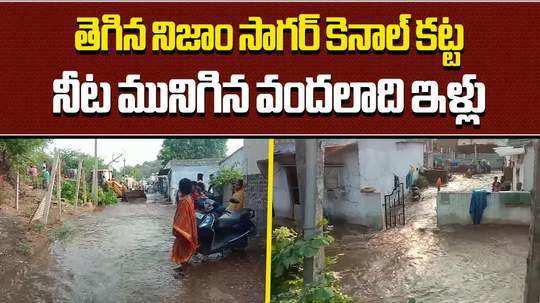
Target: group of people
{"points": [[185, 223], [34, 174], [501, 185]]}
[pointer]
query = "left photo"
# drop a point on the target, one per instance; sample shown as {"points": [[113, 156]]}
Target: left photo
{"points": [[132, 219]]}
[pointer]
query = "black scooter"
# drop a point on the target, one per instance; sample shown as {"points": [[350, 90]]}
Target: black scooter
{"points": [[220, 230]]}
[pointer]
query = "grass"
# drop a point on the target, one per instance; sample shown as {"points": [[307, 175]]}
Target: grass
{"points": [[28, 212], [38, 227], [63, 232], [24, 248]]}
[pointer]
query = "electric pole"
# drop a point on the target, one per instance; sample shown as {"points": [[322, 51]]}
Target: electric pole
{"points": [[310, 157]]}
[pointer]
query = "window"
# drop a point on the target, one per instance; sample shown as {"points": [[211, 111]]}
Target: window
{"points": [[333, 177]]}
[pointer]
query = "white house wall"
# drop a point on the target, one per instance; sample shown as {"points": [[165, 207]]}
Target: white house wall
{"points": [[282, 199], [381, 159], [237, 160], [190, 172], [255, 150], [527, 168], [347, 203]]}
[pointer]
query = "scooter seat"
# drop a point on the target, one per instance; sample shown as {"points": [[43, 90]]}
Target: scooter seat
{"points": [[230, 219]]}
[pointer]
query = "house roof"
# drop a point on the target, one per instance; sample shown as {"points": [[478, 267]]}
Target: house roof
{"points": [[193, 162], [509, 150], [519, 142], [241, 149]]}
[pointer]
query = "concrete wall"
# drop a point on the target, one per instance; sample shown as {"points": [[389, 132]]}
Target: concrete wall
{"points": [[282, 203], [381, 159], [364, 209], [525, 165], [255, 150], [237, 160], [347, 203], [256, 182], [453, 208], [256, 199]]}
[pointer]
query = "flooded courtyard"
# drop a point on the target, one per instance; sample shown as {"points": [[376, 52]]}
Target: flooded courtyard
{"points": [[122, 254], [482, 263]]}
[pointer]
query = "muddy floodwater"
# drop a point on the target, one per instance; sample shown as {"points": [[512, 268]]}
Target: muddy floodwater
{"points": [[121, 254], [482, 263]]}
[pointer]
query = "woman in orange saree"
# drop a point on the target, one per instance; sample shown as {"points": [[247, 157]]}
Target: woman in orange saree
{"points": [[184, 225]]}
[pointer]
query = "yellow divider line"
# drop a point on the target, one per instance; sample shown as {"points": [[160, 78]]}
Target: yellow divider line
{"points": [[270, 190]]}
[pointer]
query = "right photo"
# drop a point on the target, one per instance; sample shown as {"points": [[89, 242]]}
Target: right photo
{"points": [[403, 219]]}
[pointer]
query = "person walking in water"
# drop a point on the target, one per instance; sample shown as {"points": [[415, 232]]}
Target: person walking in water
{"points": [[184, 226], [439, 183]]}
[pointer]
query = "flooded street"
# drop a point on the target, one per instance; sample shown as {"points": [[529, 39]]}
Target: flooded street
{"points": [[122, 254], [484, 263]]}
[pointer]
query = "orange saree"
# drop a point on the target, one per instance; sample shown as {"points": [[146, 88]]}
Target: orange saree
{"points": [[185, 231]]}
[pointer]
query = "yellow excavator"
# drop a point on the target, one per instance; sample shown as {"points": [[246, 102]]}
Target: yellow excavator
{"points": [[121, 190]]}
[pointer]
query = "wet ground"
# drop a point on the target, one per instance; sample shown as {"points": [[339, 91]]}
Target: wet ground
{"points": [[484, 263], [121, 254]]}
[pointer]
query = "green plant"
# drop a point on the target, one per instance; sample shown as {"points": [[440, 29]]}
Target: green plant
{"points": [[38, 227], [225, 176], [107, 197], [421, 182], [68, 191], [24, 248], [288, 252], [192, 149], [63, 232]]}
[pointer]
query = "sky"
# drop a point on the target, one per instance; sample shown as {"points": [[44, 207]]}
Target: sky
{"points": [[135, 151]]}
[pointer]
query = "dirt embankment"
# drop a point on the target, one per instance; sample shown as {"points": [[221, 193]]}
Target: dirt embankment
{"points": [[24, 247]]}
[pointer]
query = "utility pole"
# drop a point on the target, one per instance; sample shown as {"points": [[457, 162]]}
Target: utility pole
{"points": [[532, 280], [94, 175], [312, 173], [78, 186]]}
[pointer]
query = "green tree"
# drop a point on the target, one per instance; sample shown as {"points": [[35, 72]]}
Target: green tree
{"points": [[132, 171], [70, 160], [147, 168], [17, 154], [192, 149]]}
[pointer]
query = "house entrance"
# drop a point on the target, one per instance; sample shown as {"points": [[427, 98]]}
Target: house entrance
{"points": [[394, 206]]}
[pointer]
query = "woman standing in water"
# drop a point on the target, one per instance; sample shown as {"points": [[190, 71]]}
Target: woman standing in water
{"points": [[184, 226]]}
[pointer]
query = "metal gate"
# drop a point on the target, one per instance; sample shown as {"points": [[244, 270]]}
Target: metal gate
{"points": [[394, 207]]}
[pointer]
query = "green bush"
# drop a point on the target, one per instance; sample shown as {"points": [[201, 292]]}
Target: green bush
{"points": [[421, 182], [288, 252], [63, 232], [68, 191], [106, 197], [226, 176], [25, 248]]}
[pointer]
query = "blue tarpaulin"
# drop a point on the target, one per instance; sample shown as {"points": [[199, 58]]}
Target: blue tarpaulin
{"points": [[478, 205]]}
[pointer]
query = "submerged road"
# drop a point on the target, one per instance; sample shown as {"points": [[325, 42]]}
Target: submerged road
{"points": [[483, 263], [121, 254]]}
